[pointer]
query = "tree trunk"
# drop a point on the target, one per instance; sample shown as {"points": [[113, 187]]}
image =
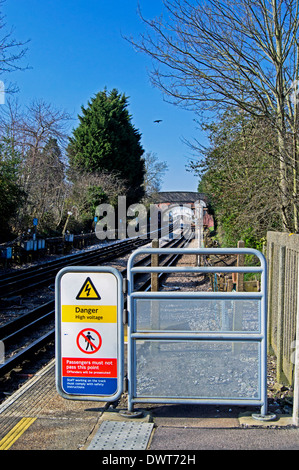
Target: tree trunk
{"points": [[283, 179]]}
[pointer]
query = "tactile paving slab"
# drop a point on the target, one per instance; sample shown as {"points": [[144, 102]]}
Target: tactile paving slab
{"points": [[121, 435]]}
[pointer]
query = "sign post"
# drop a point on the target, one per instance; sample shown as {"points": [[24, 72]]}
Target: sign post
{"points": [[89, 333]]}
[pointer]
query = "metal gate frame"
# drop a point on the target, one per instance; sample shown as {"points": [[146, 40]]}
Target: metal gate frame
{"points": [[260, 337]]}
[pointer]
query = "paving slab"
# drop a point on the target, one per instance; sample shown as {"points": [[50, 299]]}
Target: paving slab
{"points": [[122, 435], [58, 434], [188, 438]]}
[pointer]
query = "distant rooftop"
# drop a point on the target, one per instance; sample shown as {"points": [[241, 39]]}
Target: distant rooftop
{"points": [[179, 197]]}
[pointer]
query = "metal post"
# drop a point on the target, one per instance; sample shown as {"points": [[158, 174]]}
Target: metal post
{"points": [[155, 263], [240, 262], [239, 288], [130, 329], [155, 308], [264, 416]]}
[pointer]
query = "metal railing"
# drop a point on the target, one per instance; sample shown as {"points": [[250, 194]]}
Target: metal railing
{"points": [[197, 347]]}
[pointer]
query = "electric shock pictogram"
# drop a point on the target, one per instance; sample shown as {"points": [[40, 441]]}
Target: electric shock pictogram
{"points": [[88, 291]]}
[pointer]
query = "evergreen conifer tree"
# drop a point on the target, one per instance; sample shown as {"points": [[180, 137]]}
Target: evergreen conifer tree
{"points": [[105, 139]]}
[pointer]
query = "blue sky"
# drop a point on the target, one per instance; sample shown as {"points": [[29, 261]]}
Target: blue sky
{"points": [[76, 49]]}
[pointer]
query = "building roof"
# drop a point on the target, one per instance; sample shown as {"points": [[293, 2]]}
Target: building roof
{"points": [[179, 197]]}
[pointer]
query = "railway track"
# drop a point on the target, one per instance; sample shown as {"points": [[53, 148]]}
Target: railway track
{"points": [[17, 283], [30, 332]]}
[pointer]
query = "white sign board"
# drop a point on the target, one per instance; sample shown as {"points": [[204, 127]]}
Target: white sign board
{"points": [[89, 333]]}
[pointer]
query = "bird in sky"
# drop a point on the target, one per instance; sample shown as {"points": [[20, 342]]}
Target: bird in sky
{"points": [[158, 120]]}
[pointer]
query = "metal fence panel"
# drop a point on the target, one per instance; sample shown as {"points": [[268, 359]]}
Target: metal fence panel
{"points": [[197, 347]]}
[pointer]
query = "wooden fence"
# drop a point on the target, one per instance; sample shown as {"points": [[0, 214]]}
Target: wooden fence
{"points": [[282, 258]]}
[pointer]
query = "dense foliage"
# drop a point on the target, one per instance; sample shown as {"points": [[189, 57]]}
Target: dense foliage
{"points": [[106, 140], [11, 194], [239, 173]]}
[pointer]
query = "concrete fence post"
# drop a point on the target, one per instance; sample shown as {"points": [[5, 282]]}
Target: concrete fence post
{"points": [[280, 313], [296, 368], [270, 256]]}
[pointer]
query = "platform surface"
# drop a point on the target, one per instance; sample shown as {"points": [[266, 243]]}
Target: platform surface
{"points": [[36, 417]]}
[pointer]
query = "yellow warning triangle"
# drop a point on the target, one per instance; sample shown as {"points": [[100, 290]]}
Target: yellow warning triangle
{"points": [[88, 291]]}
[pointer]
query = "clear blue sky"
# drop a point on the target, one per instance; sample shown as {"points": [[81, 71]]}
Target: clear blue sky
{"points": [[76, 49]]}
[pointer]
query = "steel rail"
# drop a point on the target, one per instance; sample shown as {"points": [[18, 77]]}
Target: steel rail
{"points": [[40, 276], [14, 275], [11, 331], [23, 354]]}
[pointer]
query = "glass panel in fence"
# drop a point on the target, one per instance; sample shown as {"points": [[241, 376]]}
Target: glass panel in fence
{"points": [[198, 315], [197, 369]]}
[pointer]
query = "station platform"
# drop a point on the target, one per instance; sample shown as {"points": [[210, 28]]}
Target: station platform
{"points": [[36, 417]]}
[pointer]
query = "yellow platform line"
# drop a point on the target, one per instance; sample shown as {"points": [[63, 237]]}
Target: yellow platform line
{"points": [[15, 433]]}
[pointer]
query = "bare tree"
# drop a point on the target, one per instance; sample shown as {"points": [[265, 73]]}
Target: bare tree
{"points": [[107, 186], [12, 51], [29, 131], [154, 172], [213, 54], [37, 136]]}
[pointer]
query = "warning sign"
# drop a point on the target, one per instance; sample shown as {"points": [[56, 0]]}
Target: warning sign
{"points": [[89, 341], [89, 333], [88, 291]]}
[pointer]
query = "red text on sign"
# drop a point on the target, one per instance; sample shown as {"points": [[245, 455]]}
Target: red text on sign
{"points": [[73, 367]]}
